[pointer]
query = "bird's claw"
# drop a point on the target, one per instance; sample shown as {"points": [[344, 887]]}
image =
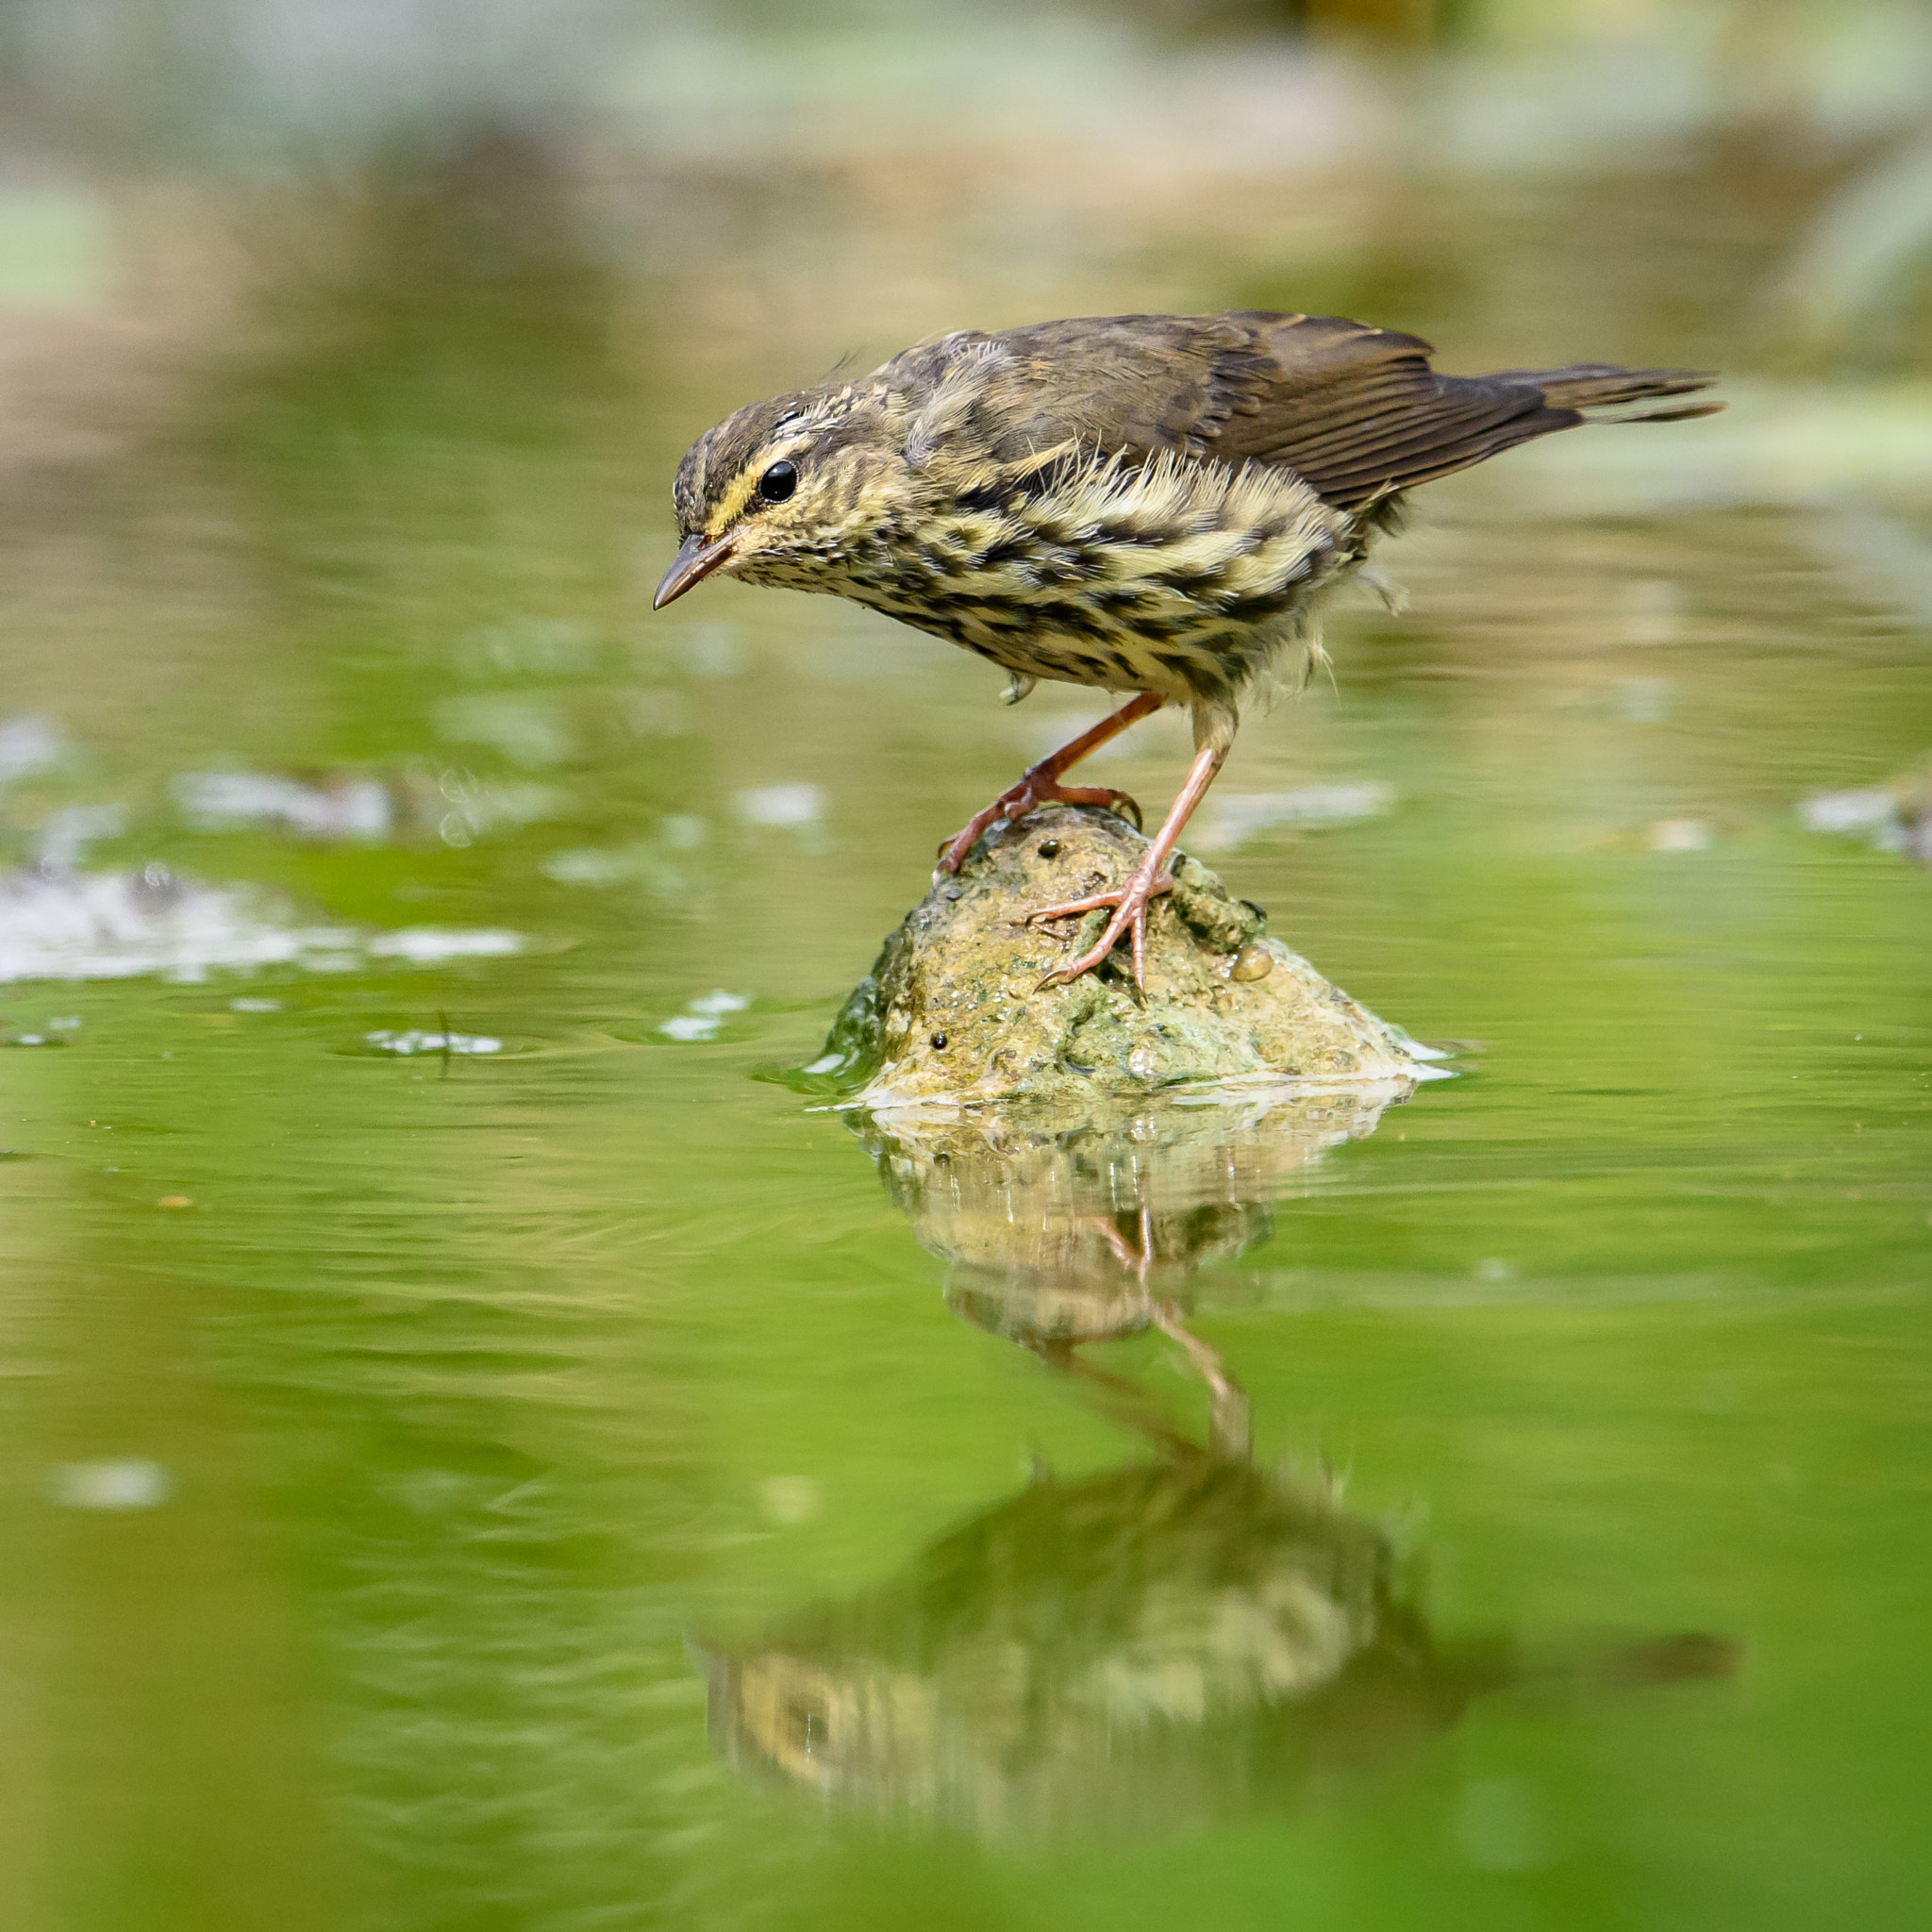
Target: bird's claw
{"points": [[1035, 789], [1129, 903]]}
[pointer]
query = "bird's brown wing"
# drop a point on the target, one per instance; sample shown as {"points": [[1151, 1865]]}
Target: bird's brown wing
{"points": [[1355, 411]]}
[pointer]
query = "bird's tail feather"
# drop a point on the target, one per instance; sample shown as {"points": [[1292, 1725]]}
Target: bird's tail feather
{"points": [[1602, 385]]}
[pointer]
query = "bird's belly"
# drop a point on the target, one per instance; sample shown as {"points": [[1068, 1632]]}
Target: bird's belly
{"points": [[1181, 654], [1088, 590]]}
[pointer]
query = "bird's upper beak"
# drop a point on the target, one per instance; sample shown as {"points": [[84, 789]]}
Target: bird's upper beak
{"points": [[696, 560]]}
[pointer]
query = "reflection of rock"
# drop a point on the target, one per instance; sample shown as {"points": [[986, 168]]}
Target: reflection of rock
{"points": [[1064, 1231], [1154, 1645], [954, 1008]]}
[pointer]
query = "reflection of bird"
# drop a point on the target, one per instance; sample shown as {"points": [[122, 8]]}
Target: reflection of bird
{"points": [[1148, 504], [1151, 1648], [1148, 1648]]}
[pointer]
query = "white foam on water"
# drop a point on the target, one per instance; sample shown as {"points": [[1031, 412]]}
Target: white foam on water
{"points": [[349, 808], [414, 1042], [70, 926], [691, 1026], [29, 745], [128, 1483], [1238, 816], [704, 1016], [781, 805], [1872, 811], [424, 945]]}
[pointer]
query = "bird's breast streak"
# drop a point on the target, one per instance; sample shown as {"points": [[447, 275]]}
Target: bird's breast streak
{"points": [[1180, 577]]}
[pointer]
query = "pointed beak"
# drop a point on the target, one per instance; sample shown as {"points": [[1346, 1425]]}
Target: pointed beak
{"points": [[696, 560]]}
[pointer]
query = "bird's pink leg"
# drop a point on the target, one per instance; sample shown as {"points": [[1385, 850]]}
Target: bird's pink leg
{"points": [[1147, 881], [1040, 785]]}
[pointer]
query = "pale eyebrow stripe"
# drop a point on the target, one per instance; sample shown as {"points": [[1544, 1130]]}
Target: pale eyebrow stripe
{"points": [[734, 500]]}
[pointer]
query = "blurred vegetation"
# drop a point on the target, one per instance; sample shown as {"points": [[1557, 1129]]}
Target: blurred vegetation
{"points": [[749, 137]]}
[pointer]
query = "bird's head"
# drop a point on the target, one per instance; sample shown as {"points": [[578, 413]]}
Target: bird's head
{"points": [[780, 492]]}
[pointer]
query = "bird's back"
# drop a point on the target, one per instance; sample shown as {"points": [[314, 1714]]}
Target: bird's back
{"points": [[1357, 412]]}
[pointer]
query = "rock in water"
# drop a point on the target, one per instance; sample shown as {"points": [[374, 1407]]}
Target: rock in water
{"points": [[954, 1010]]}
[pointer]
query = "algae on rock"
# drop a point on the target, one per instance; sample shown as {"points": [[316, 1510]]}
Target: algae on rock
{"points": [[954, 1009]]}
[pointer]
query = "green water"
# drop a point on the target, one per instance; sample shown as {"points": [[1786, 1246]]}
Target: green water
{"points": [[380, 1520]]}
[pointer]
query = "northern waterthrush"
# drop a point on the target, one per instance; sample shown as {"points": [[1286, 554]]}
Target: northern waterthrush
{"points": [[1153, 505]]}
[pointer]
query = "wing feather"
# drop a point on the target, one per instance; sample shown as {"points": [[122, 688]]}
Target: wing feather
{"points": [[1357, 411]]}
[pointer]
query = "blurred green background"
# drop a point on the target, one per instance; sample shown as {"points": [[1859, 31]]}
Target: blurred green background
{"points": [[391, 1476]]}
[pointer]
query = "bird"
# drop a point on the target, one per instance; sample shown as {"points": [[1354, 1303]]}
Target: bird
{"points": [[1156, 506]]}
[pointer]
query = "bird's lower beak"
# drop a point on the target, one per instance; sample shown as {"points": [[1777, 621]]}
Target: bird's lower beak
{"points": [[696, 560]]}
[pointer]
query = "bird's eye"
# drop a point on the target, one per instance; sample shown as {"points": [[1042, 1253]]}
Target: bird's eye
{"points": [[778, 482]]}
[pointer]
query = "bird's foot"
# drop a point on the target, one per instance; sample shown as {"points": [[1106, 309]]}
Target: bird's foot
{"points": [[1144, 883], [1038, 787]]}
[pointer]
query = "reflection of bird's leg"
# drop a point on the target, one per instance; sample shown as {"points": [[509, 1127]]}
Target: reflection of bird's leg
{"points": [[1117, 1241], [1136, 1263], [1229, 1431], [1129, 1404], [1040, 784]]}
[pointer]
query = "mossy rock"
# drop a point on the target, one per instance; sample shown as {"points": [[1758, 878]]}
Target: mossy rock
{"points": [[954, 1009]]}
